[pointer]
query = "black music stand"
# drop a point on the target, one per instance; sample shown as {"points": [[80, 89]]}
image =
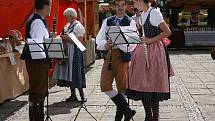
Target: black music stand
{"points": [[85, 108], [53, 49], [122, 35]]}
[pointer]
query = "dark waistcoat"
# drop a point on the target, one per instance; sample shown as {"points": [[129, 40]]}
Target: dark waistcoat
{"points": [[26, 55], [111, 21]]}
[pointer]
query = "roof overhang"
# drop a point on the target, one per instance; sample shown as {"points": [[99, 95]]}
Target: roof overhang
{"points": [[184, 3], [79, 1]]}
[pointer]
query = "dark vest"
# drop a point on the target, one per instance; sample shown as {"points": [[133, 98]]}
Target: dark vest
{"points": [[26, 55], [111, 21], [150, 31]]}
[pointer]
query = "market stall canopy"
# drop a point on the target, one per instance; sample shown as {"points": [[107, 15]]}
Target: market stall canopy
{"points": [[186, 3], [14, 14], [79, 1], [85, 0]]}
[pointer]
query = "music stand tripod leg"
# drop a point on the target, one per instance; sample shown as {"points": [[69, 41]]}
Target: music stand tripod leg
{"points": [[47, 107], [48, 60], [85, 108]]}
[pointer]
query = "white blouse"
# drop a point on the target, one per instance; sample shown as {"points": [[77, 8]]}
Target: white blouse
{"points": [[78, 31], [38, 29], [156, 18]]}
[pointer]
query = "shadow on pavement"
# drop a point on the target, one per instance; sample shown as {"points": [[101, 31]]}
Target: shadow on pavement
{"points": [[88, 69], [9, 107], [63, 107]]}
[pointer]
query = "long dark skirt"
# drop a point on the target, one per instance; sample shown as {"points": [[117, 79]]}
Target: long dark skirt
{"points": [[78, 73]]}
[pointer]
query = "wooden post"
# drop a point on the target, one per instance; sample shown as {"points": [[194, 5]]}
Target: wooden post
{"points": [[86, 32], [85, 21]]}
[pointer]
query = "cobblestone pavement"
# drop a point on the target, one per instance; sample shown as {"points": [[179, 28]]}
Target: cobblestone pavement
{"points": [[192, 92]]}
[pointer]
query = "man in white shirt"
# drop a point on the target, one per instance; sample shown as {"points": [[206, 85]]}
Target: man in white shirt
{"points": [[37, 29], [116, 64]]}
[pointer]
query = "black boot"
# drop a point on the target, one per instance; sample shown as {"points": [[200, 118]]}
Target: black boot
{"points": [[40, 112], [122, 108], [129, 113], [81, 92], [32, 112], [148, 110], [119, 114], [72, 98]]}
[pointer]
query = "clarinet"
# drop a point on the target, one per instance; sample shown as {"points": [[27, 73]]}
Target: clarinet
{"points": [[54, 24], [110, 59], [110, 51], [52, 35]]}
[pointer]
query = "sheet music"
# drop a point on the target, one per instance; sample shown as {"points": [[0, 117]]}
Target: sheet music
{"points": [[55, 47], [130, 34], [77, 42], [36, 48]]}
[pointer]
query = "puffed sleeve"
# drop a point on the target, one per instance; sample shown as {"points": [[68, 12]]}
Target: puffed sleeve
{"points": [[38, 29], [101, 39], [156, 17], [79, 30]]}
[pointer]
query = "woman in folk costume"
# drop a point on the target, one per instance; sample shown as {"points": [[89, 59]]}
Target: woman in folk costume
{"points": [[149, 69], [71, 73]]}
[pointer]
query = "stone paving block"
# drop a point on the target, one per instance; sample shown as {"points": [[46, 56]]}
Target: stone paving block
{"points": [[211, 86], [177, 103], [172, 109], [169, 115], [191, 80], [209, 119], [208, 111], [196, 86], [204, 99], [109, 117], [179, 119], [212, 91], [208, 65], [87, 117], [189, 77], [211, 70], [200, 91], [205, 77]]}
